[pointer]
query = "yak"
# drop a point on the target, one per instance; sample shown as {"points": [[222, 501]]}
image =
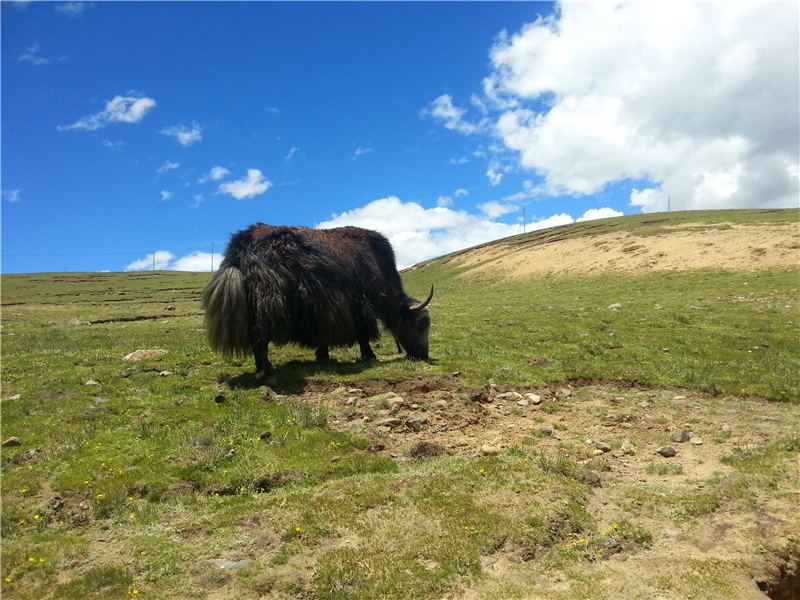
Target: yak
{"points": [[317, 288]]}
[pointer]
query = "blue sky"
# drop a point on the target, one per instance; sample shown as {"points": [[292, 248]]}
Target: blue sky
{"points": [[134, 131]]}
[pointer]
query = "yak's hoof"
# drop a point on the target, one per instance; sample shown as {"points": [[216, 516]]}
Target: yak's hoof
{"points": [[267, 379]]}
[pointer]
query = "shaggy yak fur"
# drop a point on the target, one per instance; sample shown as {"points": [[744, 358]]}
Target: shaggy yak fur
{"points": [[319, 288]]}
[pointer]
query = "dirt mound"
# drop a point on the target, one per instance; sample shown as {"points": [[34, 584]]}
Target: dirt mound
{"points": [[687, 246], [701, 509]]}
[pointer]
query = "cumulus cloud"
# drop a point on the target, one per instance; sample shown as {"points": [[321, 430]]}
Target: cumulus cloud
{"points": [[165, 195], [599, 213], [196, 261], [11, 195], [252, 185], [215, 174], [159, 260], [699, 100], [185, 136], [167, 166], [496, 209], [122, 109]]}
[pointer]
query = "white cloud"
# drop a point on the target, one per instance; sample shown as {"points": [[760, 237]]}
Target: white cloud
{"points": [[161, 261], [11, 195], [167, 166], [698, 99], [461, 192], [122, 109], [73, 9], [215, 174], [186, 136], [196, 261], [361, 150], [253, 185], [198, 200], [452, 117], [458, 161], [31, 55], [444, 201], [496, 209], [165, 195], [294, 150], [599, 213]]}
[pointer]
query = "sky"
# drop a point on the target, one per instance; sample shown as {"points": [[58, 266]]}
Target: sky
{"points": [[141, 135]]}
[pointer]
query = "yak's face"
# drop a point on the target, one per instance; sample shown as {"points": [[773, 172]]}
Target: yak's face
{"points": [[413, 334], [414, 327]]}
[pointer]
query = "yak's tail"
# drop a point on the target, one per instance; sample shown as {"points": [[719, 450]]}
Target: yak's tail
{"points": [[227, 315]]}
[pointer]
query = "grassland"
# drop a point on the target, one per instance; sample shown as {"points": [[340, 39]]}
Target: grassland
{"points": [[132, 476]]}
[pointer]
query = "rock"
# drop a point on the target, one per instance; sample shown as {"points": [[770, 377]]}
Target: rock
{"points": [[564, 393], [534, 398], [140, 392], [546, 430], [487, 450], [12, 441], [415, 424], [427, 449], [336, 459], [92, 382], [615, 306], [667, 451], [440, 404], [671, 533], [488, 562], [143, 354], [628, 448], [602, 446], [523, 402], [508, 396], [727, 429], [14, 397], [391, 422], [229, 565], [680, 436], [383, 429], [597, 452], [591, 478], [92, 412], [697, 441], [165, 373], [169, 307]]}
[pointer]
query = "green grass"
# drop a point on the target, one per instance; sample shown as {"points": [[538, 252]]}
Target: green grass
{"points": [[150, 465]]}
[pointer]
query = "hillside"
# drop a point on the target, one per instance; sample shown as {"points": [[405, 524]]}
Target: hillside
{"points": [[735, 240]]}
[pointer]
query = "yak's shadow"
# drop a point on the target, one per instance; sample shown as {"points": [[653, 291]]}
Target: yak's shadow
{"points": [[291, 377]]}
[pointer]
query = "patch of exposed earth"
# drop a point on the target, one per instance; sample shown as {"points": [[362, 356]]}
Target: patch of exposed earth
{"points": [[688, 246], [618, 435]]}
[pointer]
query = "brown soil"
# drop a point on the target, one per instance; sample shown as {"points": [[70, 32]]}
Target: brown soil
{"points": [[729, 246], [434, 416]]}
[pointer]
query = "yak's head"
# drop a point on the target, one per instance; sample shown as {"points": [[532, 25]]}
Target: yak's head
{"points": [[414, 327]]}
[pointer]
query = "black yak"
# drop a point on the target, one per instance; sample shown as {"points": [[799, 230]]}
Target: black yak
{"points": [[318, 288]]}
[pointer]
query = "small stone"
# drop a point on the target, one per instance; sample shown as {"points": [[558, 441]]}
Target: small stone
{"points": [[597, 452], [671, 533], [488, 562], [336, 459], [12, 441], [602, 446], [591, 478], [697, 441], [727, 429], [390, 422], [546, 430], [440, 404], [356, 391], [92, 382], [534, 398], [165, 373], [628, 448], [680, 436], [667, 451], [564, 393], [383, 429], [169, 307], [229, 565], [487, 450], [143, 354], [415, 424], [14, 397], [522, 402], [615, 306], [414, 406]]}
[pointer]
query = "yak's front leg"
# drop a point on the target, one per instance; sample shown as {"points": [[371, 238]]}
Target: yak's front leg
{"points": [[322, 355], [367, 355]]}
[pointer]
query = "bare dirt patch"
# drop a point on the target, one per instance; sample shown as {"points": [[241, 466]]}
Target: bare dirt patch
{"points": [[701, 511], [688, 246]]}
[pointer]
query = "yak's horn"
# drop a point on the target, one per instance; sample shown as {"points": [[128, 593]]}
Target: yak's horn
{"points": [[419, 307]]}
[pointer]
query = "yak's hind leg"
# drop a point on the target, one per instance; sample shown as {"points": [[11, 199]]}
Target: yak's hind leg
{"points": [[264, 369], [322, 355], [367, 355]]}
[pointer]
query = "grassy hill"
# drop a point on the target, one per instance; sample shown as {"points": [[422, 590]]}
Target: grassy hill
{"points": [[522, 462]]}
